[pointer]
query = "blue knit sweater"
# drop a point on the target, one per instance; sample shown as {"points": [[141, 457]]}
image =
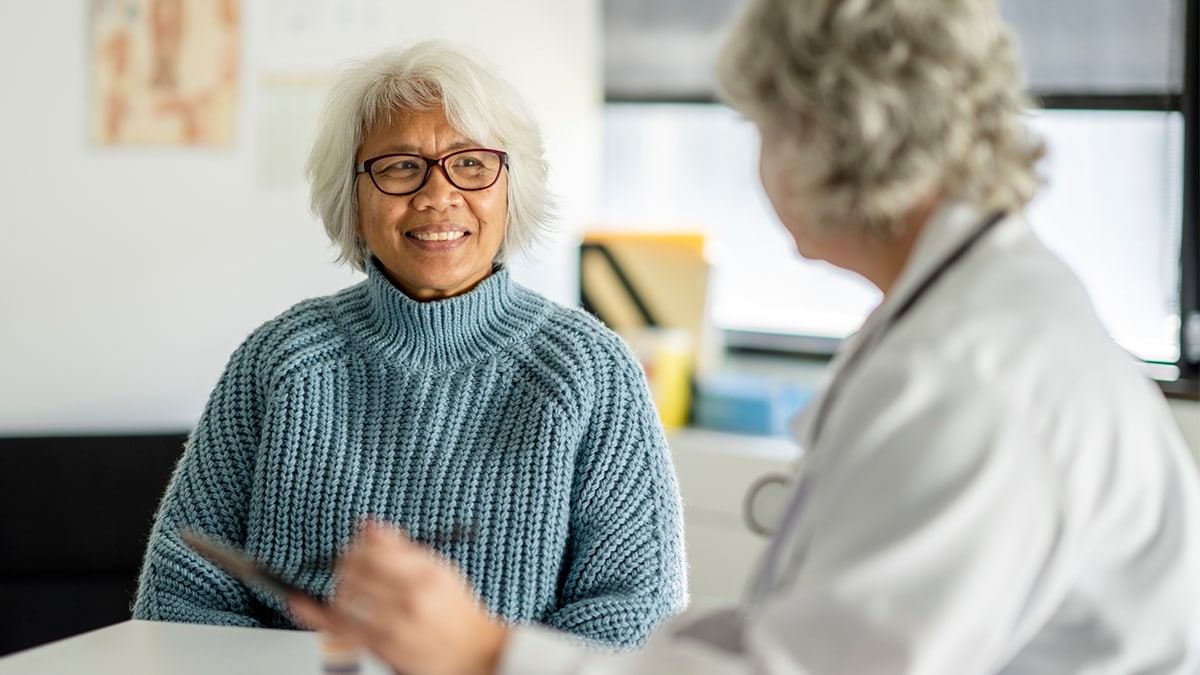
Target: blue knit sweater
{"points": [[496, 410]]}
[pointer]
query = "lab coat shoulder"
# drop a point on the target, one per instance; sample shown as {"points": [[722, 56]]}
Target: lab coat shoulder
{"points": [[963, 368], [1015, 327], [998, 449], [1006, 361]]}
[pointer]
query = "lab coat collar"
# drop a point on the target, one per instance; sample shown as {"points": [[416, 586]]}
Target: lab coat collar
{"points": [[949, 225]]}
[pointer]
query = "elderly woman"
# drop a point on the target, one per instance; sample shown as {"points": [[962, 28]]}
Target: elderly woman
{"points": [[991, 485], [514, 436]]}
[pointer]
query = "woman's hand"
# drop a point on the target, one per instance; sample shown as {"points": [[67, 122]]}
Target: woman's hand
{"points": [[408, 606]]}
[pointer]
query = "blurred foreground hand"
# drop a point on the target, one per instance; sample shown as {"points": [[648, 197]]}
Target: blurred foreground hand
{"points": [[408, 606]]}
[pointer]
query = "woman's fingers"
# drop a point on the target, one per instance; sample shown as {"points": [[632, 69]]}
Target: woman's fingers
{"points": [[311, 615], [379, 568], [380, 580], [369, 580], [406, 604]]}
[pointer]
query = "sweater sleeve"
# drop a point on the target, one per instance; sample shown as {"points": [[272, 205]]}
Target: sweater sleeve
{"points": [[626, 571], [209, 490]]}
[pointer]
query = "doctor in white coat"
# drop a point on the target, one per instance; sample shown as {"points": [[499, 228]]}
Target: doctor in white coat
{"points": [[991, 484]]}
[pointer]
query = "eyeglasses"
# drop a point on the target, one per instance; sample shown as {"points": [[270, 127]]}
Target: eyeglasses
{"points": [[403, 174]]}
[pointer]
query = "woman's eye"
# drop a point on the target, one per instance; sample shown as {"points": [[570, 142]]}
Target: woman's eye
{"points": [[403, 166]]}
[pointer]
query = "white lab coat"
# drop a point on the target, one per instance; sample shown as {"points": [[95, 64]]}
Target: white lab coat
{"points": [[996, 489]]}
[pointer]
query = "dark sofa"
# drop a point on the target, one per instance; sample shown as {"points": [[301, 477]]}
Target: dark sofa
{"points": [[75, 513]]}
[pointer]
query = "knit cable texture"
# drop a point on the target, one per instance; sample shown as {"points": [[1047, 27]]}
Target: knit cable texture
{"points": [[499, 411]]}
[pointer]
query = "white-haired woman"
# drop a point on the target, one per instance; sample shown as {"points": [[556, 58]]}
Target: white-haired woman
{"points": [[990, 486], [513, 435]]}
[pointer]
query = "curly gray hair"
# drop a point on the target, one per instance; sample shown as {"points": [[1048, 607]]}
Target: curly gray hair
{"points": [[477, 102], [882, 102]]}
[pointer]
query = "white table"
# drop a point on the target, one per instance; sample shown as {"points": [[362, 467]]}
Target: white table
{"points": [[156, 648]]}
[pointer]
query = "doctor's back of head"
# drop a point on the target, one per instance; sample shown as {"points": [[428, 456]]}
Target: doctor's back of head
{"points": [[871, 105]]}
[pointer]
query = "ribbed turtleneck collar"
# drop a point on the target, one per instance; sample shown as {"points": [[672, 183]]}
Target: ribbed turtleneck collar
{"points": [[442, 334]]}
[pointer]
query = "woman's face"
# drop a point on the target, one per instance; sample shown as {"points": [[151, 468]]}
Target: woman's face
{"points": [[439, 241]]}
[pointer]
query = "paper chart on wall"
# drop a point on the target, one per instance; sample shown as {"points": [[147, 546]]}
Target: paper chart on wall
{"points": [[164, 72], [301, 45], [289, 107]]}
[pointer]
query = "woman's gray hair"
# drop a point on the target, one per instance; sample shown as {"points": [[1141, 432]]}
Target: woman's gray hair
{"points": [[881, 102], [477, 102]]}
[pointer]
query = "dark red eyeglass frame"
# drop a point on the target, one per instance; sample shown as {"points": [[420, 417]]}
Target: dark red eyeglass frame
{"points": [[430, 162]]}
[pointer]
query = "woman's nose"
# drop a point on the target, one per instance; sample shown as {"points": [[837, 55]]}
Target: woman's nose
{"points": [[437, 189]]}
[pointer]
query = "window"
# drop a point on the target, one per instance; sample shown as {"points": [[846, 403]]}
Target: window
{"points": [[1117, 83]]}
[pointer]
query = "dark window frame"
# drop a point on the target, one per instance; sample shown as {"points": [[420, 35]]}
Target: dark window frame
{"points": [[1188, 384]]}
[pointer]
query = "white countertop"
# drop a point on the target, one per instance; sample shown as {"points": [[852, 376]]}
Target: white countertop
{"points": [[157, 648]]}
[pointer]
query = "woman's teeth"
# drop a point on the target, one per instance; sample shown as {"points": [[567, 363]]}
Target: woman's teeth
{"points": [[438, 236]]}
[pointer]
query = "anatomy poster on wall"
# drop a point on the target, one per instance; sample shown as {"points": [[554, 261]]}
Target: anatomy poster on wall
{"points": [[164, 72]]}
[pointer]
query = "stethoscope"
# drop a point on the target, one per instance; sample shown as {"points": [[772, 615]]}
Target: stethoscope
{"points": [[773, 503]]}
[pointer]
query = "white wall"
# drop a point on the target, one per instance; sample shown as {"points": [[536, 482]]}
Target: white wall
{"points": [[128, 275]]}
